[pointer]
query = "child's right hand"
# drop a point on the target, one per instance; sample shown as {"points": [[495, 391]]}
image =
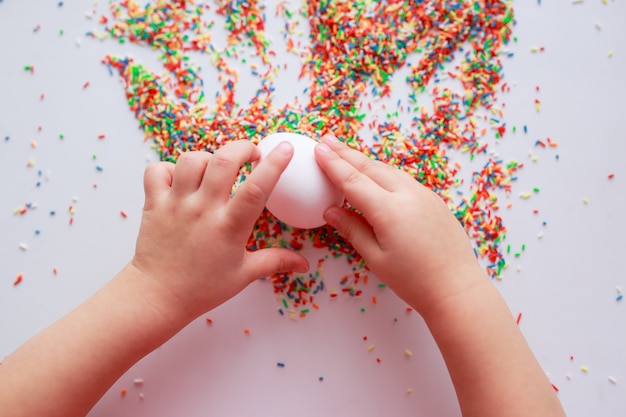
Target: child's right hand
{"points": [[406, 234]]}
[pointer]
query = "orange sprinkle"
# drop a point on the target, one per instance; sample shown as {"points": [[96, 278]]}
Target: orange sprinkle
{"points": [[246, 331], [123, 392], [18, 279]]}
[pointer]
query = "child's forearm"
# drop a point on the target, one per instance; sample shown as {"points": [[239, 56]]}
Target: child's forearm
{"points": [[65, 369], [492, 367]]}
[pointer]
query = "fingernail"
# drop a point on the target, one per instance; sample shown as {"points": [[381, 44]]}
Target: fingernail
{"points": [[323, 147], [303, 267], [285, 148], [330, 139]]}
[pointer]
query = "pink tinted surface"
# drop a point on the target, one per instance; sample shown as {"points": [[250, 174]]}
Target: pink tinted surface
{"points": [[564, 284]]}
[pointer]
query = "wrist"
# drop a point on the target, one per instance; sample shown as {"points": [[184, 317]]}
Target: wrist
{"points": [[446, 289], [152, 299]]}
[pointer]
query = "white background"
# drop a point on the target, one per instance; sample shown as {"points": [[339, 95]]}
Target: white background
{"points": [[564, 284]]}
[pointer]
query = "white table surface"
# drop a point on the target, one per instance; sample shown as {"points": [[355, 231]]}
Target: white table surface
{"points": [[565, 284]]}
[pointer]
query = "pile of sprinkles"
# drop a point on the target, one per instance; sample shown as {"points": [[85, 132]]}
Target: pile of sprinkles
{"points": [[451, 49]]}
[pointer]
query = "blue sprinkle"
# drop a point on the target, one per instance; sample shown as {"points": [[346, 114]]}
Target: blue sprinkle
{"points": [[280, 364], [52, 212], [619, 297], [99, 168]]}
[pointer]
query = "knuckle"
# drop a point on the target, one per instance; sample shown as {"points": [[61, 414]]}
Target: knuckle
{"points": [[252, 194], [282, 265], [220, 161], [353, 177], [367, 165]]}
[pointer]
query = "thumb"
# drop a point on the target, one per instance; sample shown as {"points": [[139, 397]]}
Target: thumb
{"points": [[352, 226], [265, 262]]}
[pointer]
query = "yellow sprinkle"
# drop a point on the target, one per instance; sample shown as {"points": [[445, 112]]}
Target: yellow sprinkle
{"points": [[409, 390], [584, 369], [610, 53], [585, 201], [525, 196], [408, 353], [370, 348]]}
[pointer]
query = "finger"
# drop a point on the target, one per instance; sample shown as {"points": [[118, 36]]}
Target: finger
{"points": [[250, 198], [358, 188], [189, 171], [386, 176], [224, 166], [157, 179], [355, 228], [265, 262]]}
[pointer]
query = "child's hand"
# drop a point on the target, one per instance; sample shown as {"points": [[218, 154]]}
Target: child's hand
{"points": [[193, 235], [407, 235]]}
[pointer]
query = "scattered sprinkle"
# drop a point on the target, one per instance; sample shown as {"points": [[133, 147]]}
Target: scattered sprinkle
{"points": [[18, 279]]}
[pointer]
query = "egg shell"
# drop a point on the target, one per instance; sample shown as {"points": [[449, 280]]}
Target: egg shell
{"points": [[304, 192]]}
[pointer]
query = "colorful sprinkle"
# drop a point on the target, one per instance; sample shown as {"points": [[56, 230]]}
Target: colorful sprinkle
{"points": [[172, 110]]}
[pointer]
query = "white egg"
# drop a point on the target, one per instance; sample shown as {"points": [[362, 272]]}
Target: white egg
{"points": [[303, 192]]}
